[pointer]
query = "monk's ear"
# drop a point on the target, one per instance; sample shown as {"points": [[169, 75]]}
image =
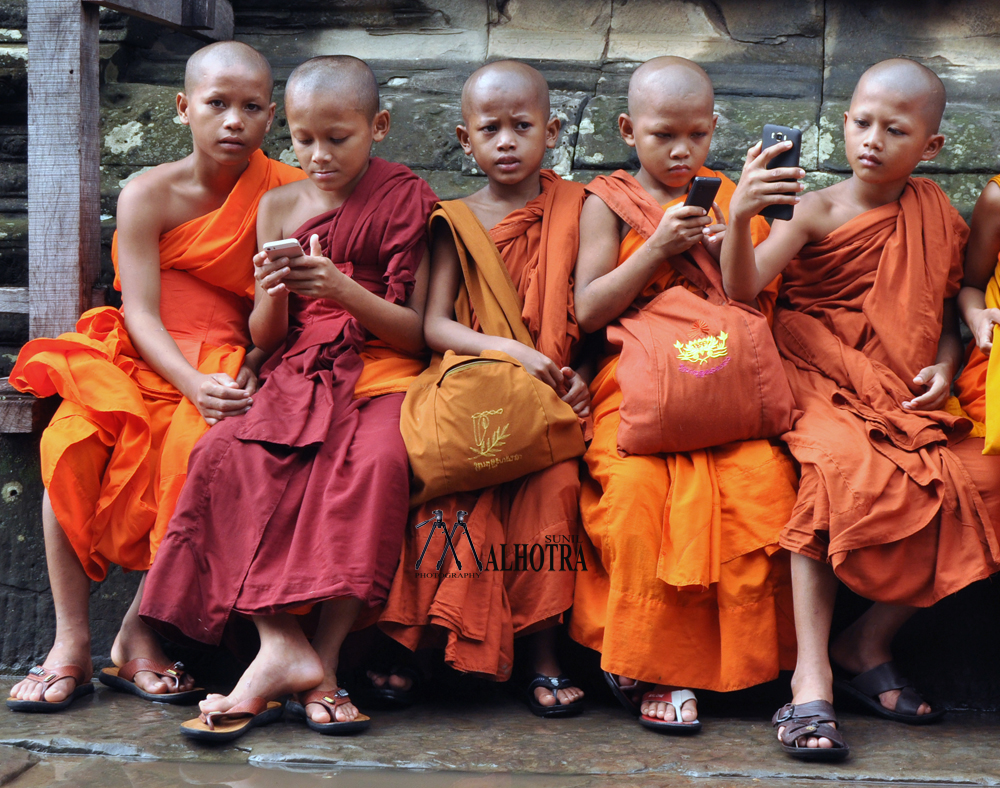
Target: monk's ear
{"points": [[270, 116], [380, 125], [552, 132], [933, 147], [463, 139], [626, 129], [182, 108]]}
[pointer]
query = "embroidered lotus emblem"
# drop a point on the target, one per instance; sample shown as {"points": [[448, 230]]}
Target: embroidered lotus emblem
{"points": [[702, 348]]}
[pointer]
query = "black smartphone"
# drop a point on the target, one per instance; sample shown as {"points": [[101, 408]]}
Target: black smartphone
{"points": [[702, 192], [790, 158]]}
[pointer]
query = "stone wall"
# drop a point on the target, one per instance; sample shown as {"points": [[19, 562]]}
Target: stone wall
{"points": [[788, 61]]}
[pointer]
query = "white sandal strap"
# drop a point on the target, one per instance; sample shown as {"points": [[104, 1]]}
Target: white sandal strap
{"points": [[679, 697]]}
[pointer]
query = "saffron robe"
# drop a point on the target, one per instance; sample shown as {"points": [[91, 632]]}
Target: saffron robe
{"points": [[114, 457], [305, 497], [685, 583], [978, 385], [888, 497], [475, 616]]}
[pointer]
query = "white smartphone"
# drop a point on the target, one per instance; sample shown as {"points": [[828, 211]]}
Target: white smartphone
{"points": [[288, 247]]}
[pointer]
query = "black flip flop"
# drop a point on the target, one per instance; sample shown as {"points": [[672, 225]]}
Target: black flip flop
{"points": [[815, 718], [123, 680], [47, 676], [622, 694], [552, 684], [865, 688], [329, 701], [224, 726]]}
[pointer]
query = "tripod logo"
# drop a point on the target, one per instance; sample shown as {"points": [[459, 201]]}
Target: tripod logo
{"points": [[449, 539]]}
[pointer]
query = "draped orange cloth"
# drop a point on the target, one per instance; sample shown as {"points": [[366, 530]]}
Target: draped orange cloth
{"points": [[896, 501], [115, 455], [685, 583], [475, 616], [976, 386]]}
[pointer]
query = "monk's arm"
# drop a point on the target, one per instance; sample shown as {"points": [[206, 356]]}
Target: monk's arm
{"points": [[139, 229], [604, 289], [938, 377], [269, 319], [980, 262], [444, 332]]}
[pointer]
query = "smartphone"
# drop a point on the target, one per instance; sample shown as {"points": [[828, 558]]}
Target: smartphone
{"points": [[703, 191], [288, 247], [790, 158]]}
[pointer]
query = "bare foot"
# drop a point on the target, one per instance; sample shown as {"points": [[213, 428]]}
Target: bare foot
{"points": [[662, 710], [391, 680], [857, 654], [284, 665], [547, 664], [64, 652], [135, 640], [346, 712]]}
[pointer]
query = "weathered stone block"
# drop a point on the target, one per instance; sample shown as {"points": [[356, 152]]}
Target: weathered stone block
{"points": [[13, 250], [551, 30], [777, 51], [740, 123], [423, 131]]}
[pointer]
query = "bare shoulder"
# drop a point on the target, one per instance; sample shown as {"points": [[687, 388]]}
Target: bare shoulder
{"points": [[597, 217], [150, 195], [821, 212], [990, 199]]}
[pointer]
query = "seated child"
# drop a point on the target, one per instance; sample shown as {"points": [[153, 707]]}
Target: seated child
{"points": [[687, 588], [141, 384], [979, 301], [530, 216], [892, 501], [303, 500]]}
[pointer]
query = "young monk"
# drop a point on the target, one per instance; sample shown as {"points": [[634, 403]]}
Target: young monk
{"points": [[687, 589], [141, 384], [529, 219], [979, 301], [304, 499], [890, 502]]}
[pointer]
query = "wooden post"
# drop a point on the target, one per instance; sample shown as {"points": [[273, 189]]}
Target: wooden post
{"points": [[64, 193]]}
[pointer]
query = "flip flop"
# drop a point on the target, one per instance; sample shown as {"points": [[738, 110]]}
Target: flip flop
{"points": [[123, 680], [622, 694], [815, 718], [386, 697], [675, 698], [552, 683], [50, 676], [223, 726], [330, 702], [866, 687]]}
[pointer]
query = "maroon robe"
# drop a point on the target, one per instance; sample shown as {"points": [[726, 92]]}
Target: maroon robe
{"points": [[305, 498]]}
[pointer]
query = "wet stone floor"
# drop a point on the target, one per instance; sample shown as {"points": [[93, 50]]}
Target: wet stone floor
{"points": [[111, 741]]}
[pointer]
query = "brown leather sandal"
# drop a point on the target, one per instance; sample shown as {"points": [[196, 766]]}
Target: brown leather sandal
{"points": [[815, 718], [223, 726], [330, 702], [123, 680], [50, 676]]}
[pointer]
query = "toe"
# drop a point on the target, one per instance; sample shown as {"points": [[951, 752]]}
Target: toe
{"points": [[318, 713], [347, 712], [544, 696], [400, 682], [689, 711], [377, 679]]}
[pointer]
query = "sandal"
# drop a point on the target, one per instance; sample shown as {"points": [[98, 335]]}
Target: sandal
{"points": [[622, 693], [123, 680], [223, 726], [330, 703], [386, 697], [866, 687], [815, 718], [552, 684], [50, 676], [676, 698]]}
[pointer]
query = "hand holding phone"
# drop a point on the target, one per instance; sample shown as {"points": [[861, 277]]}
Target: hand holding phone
{"points": [[287, 247], [774, 135], [702, 192]]}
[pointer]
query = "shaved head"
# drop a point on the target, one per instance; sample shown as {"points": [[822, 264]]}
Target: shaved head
{"points": [[911, 79], [670, 77], [351, 79], [506, 76], [225, 54]]}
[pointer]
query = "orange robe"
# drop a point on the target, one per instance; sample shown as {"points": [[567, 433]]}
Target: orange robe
{"points": [[115, 455], [896, 501], [685, 583], [979, 383], [474, 615]]}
